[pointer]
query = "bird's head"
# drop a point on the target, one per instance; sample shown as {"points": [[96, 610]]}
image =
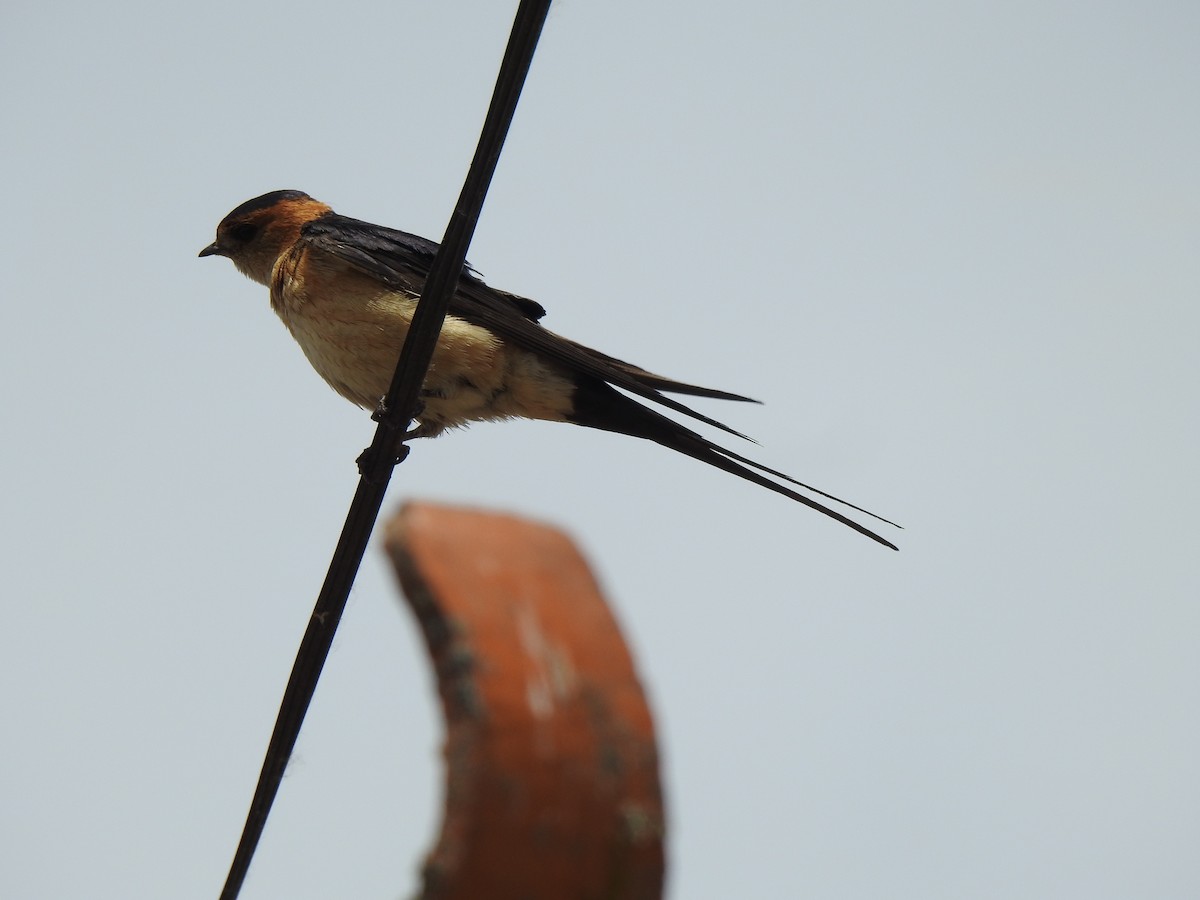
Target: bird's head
{"points": [[255, 234]]}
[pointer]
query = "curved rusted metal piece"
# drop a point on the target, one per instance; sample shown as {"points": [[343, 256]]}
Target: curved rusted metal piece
{"points": [[552, 785]]}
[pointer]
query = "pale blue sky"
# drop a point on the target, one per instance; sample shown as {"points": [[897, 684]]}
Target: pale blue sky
{"points": [[952, 246]]}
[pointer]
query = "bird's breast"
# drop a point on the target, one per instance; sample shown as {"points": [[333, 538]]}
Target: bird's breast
{"points": [[352, 333]]}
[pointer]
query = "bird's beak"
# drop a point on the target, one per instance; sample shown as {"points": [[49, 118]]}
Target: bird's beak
{"points": [[213, 249]]}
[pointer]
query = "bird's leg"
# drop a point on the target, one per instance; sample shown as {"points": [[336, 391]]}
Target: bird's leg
{"points": [[421, 429], [365, 459], [381, 412]]}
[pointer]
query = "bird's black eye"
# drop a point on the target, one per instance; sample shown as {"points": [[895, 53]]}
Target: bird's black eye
{"points": [[243, 232]]}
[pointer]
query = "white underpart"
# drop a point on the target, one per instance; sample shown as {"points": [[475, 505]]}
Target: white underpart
{"points": [[355, 344]]}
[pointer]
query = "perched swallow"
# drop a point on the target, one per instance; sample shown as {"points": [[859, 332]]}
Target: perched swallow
{"points": [[347, 290]]}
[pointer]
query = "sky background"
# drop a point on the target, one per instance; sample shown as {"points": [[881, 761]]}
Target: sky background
{"points": [[953, 246]]}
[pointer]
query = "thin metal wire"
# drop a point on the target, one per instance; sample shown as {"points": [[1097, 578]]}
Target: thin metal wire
{"points": [[387, 448]]}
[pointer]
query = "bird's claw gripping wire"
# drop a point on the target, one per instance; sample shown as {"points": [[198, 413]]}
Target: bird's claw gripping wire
{"points": [[368, 464]]}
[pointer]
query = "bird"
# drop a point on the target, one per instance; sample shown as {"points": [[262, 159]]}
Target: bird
{"points": [[347, 290]]}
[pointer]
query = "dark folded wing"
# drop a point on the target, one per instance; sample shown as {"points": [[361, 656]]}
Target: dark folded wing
{"points": [[401, 261]]}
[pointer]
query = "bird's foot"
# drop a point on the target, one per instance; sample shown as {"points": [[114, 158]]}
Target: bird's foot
{"points": [[381, 411], [369, 467]]}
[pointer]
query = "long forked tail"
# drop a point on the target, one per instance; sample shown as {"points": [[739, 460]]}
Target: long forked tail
{"points": [[597, 405]]}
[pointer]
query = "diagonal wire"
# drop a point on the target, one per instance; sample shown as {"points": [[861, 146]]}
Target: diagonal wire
{"points": [[387, 448]]}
